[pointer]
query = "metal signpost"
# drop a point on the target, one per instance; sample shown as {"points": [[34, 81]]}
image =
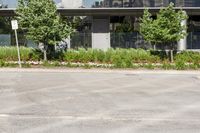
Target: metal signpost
{"points": [[14, 24]]}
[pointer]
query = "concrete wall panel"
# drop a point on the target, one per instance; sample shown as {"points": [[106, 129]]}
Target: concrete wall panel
{"points": [[101, 33]]}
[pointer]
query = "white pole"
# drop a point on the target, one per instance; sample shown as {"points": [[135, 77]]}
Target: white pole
{"points": [[18, 52], [182, 43]]}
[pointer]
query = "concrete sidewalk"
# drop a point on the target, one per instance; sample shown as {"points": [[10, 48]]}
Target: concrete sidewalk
{"points": [[100, 70], [99, 101]]}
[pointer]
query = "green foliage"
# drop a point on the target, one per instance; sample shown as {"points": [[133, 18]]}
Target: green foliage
{"points": [[46, 64], [87, 66], [51, 64], [112, 58], [73, 21], [26, 65], [39, 19], [188, 56], [167, 66], [181, 65], [147, 26], [120, 62], [148, 66], [166, 28], [10, 54], [2, 63], [194, 66], [35, 55], [187, 59], [125, 26]]}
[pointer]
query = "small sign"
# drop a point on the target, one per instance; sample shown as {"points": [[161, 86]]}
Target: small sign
{"points": [[14, 24]]}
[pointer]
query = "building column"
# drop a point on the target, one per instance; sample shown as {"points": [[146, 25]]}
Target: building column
{"points": [[182, 44], [101, 32]]}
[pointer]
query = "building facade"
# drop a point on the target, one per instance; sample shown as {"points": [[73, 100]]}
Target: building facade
{"points": [[120, 37], [115, 23], [146, 3]]}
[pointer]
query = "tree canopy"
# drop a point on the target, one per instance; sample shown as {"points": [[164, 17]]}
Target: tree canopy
{"points": [[165, 28], [42, 23]]}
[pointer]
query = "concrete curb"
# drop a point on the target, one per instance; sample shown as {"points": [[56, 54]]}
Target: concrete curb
{"points": [[95, 70]]}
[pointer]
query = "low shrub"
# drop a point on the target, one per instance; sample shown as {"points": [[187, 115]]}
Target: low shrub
{"points": [[2, 63], [119, 62], [71, 56], [167, 66], [193, 66], [116, 58], [149, 66], [35, 55], [188, 56], [47, 64], [181, 65], [26, 65], [10, 54]]}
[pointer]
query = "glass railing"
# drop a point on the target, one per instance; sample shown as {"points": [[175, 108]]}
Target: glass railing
{"points": [[81, 40], [128, 40], [77, 40], [118, 40], [193, 40], [5, 39], [135, 40]]}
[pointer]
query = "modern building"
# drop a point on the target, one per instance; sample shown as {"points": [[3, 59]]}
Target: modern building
{"points": [[133, 10], [107, 22]]}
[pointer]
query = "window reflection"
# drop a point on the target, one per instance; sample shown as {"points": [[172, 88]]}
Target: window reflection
{"points": [[145, 3], [119, 3]]}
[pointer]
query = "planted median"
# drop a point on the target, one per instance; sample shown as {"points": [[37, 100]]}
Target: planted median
{"points": [[112, 58]]}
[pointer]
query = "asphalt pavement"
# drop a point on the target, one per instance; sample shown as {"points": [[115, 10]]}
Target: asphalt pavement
{"points": [[91, 101]]}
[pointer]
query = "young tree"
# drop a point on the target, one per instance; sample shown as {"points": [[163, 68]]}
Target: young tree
{"points": [[166, 28], [41, 22]]}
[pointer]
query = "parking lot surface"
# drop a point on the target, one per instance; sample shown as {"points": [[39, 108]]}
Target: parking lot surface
{"points": [[99, 102]]}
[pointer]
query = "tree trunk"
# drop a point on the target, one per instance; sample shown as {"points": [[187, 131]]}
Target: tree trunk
{"points": [[154, 47], [45, 55], [171, 53], [171, 56], [45, 52]]}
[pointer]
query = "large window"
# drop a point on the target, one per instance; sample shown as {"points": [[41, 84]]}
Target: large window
{"points": [[193, 39], [140, 3], [120, 3]]}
